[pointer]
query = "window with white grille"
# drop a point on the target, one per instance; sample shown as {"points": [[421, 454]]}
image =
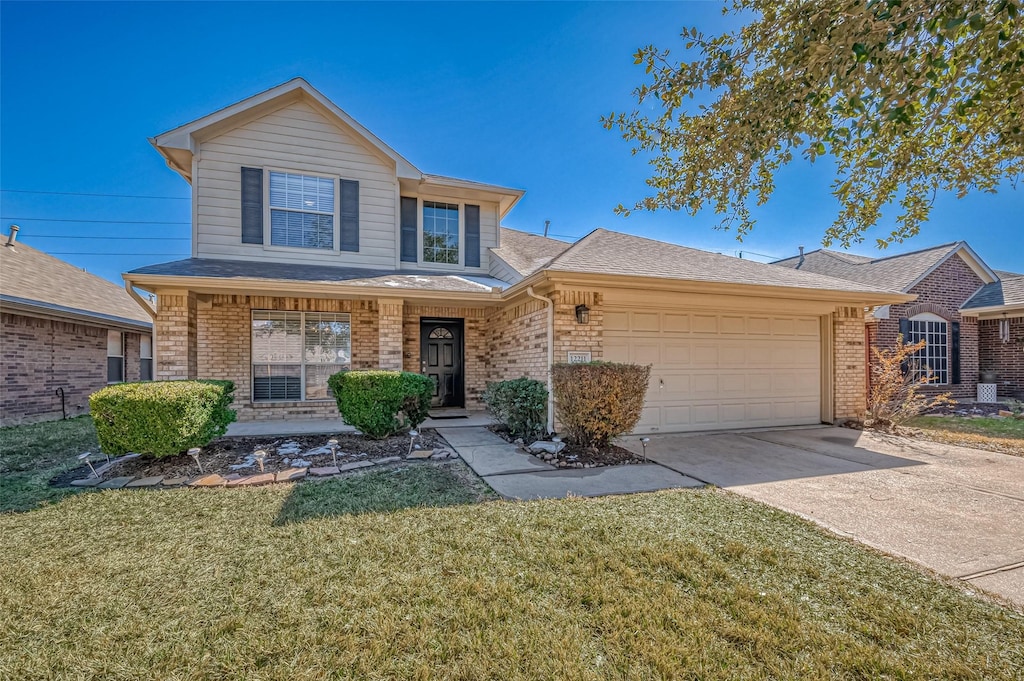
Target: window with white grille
{"points": [[294, 353], [931, 361], [301, 211]]}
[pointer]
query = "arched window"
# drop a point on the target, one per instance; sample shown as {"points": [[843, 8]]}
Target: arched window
{"points": [[933, 359], [440, 332]]}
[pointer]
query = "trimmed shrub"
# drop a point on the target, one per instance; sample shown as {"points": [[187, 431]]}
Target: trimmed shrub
{"points": [[382, 403], [897, 378], [598, 401], [521, 405], [161, 418]]}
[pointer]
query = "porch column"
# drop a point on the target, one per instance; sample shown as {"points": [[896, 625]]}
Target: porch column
{"points": [[175, 327], [849, 364], [389, 326]]}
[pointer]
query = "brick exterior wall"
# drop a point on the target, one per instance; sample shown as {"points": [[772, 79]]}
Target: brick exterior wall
{"points": [[517, 342], [37, 356], [849, 364], [176, 329], [1006, 359], [570, 335], [390, 340], [942, 292]]}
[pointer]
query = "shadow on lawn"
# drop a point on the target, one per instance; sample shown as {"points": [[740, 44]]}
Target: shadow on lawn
{"points": [[380, 491]]}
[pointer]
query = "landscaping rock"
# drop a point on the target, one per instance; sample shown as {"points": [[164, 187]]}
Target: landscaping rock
{"points": [[151, 481], [544, 446], [420, 454], [1004, 412], [116, 483], [212, 480], [289, 448], [356, 464], [291, 475], [87, 482], [386, 460], [173, 482], [324, 471], [441, 454], [253, 480], [301, 463]]}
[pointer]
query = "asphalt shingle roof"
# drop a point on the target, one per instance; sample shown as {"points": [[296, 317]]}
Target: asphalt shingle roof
{"points": [[606, 252], [1008, 291], [526, 253], [31, 277], [896, 272], [350, 276]]}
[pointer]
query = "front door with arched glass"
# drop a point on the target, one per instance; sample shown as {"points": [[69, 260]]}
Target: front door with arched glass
{"points": [[441, 353]]}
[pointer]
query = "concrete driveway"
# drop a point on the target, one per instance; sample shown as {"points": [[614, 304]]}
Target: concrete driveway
{"points": [[957, 511]]}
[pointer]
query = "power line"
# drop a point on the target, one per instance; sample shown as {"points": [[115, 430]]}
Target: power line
{"points": [[108, 222], [123, 238], [114, 196]]}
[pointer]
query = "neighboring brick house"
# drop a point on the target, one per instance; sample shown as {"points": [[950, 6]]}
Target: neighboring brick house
{"points": [[317, 248], [957, 301], [65, 332]]}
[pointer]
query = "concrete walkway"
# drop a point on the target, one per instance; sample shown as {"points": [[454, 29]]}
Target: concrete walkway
{"points": [[514, 474], [955, 510]]}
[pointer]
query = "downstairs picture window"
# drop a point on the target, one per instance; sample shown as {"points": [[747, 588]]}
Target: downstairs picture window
{"points": [[294, 353], [932, 361]]}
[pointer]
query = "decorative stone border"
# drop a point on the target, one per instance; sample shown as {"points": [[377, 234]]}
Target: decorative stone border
{"points": [[240, 480]]}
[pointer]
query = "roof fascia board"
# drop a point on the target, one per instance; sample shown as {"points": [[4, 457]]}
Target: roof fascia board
{"points": [[693, 286], [972, 260], [285, 287], [992, 311]]}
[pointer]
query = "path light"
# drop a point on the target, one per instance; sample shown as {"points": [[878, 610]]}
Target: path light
{"points": [[85, 457], [194, 453], [413, 434], [259, 455], [644, 441], [333, 444]]}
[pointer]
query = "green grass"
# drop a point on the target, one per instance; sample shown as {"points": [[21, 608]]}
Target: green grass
{"points": [[31, 455], [991, 427], [284, 582]]}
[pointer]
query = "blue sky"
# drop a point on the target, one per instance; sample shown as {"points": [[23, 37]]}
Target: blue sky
{"points": [[503, 93]]}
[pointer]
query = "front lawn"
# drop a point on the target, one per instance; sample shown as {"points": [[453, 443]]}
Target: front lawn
{"points": [[286, 582], [31, 455], [1004, 435]]}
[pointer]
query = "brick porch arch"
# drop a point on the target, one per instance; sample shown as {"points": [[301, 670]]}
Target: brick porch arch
{"points": [[921, 308]]}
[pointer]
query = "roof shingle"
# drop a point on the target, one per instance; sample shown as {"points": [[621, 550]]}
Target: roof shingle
{"points": [[1008, 291], [896, 272], [526, 253]]}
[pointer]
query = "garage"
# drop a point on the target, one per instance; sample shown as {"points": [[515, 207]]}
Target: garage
{"points": [[714, 371]]}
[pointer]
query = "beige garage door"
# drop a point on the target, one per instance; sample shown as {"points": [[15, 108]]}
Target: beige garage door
{"points": [[716, 371]]}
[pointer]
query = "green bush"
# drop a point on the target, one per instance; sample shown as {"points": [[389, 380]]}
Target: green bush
{"points": [[598, 401], [382, 403], [161, 418], [520, 404]]}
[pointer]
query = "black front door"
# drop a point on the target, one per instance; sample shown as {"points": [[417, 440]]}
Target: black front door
{"points": [[441, 360]]}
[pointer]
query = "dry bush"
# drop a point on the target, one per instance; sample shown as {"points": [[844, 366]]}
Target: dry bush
{"points": [[598, 401], [895, 395]]}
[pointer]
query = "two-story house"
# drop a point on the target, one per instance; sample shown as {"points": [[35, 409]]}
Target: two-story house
{"points": [[317, 248]]}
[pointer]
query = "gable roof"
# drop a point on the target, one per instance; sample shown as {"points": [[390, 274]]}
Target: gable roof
{"points": [[897, 272], [606, 252], [1007, 292], [526, 253], [40, 284], [178, 145]]}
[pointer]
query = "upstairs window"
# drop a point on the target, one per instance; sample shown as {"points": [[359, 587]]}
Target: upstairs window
{"points": [[294, 353], [441, 232], [301, 211], [932, 361]]}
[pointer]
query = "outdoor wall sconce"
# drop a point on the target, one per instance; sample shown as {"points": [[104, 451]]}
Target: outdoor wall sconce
{"points": [[582, 314]]}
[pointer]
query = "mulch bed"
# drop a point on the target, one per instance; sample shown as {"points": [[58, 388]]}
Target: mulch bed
{"points": [[974, 409], [283, 452], [574, 456]]}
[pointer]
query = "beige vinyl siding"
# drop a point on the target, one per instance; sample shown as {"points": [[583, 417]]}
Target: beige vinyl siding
{"points": [[299, 139]]}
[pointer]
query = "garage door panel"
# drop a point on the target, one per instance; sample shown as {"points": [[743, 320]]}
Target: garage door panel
{"points": [[720, 370]]}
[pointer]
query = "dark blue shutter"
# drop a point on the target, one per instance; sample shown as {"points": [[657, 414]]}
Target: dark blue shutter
{"points": [[408, 222], [252, 205], [349, 215], [905, 332], [472, 236], [954, 351]]}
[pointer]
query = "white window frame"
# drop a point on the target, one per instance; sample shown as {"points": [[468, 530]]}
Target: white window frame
{"points": [[420, 200], [930, 351], [336, 215], [124, 372], [142, 345], [302, 363]]}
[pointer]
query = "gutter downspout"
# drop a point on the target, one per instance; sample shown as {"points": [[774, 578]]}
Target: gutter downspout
{"points": [[551, 353]]}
